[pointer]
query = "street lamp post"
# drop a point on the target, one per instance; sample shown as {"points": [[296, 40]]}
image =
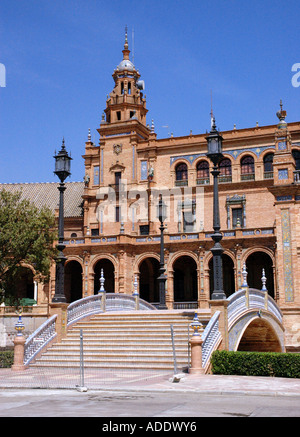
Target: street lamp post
{"points": [[162, 214], [214, 147], [62, 170]]}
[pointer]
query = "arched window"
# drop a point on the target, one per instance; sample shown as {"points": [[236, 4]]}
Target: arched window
{"points": [[181, 175], [296, 155], [268, 166], [247, 168], [225, 170], [202, 173]]}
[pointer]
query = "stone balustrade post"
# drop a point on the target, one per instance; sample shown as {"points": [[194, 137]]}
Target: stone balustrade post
{"points": [[196, 348], [19, 343]]}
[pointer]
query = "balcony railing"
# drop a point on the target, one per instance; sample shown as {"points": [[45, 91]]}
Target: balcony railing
{"points": [[182, 183], [297, 176], [248, 177], [202, 181], [223, 179], [268, 175]]}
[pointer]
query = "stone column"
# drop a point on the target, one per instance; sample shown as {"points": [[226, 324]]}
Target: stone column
{"points": [[196, 348], [19, 343]]}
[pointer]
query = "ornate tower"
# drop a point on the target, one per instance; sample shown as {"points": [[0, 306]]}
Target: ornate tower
{"points": [[283, 164]]}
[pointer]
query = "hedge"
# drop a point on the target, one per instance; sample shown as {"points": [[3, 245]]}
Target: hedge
{"points": [[6, 358], [285, 365]]}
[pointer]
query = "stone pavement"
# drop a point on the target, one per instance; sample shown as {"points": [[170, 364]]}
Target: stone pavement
{"points": [[154, 382]]}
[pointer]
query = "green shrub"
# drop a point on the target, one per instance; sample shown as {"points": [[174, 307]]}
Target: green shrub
{"points": [[6, 358], [286, 365]]}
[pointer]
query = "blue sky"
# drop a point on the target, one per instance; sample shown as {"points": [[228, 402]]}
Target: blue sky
{"points": [[59, 56]]}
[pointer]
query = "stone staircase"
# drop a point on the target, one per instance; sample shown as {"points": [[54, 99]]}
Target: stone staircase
{"points": [[132, 340]]}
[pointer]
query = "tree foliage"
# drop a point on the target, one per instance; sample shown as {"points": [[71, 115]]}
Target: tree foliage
{"points": [[27, 235]]}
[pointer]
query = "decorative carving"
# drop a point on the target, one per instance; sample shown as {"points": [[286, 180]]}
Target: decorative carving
{"points": [[117, 148]]}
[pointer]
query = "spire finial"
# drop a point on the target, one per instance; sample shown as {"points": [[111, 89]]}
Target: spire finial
{"points": [[126, 38], [281, 114], [89, 135], [63, 143]]}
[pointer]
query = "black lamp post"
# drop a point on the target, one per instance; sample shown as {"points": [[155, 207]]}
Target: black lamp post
{"points": [[162, 214], [62, 170], [214, 147]]}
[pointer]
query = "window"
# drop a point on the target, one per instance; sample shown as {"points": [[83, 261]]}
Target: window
{"points": [[237, 217], [73, 235], [181, 175], [144, 230], [225, 170], [202, 173], [96, 175], [118, 177], [268, 166], [296, 156], [118, 115], [118, 213], [129, 88], [95, 232], [247, 168]]}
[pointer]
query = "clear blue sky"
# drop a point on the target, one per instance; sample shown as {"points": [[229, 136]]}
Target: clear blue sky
{"points": [[59, 56]]}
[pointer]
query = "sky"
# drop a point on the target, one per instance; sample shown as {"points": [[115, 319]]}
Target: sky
{"points": [[59, 56]]}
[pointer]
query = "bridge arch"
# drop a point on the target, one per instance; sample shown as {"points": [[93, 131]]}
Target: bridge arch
{"points": [[259, 336], [254, 322]]}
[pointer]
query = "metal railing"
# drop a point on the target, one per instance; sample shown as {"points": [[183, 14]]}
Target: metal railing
{"points": [[39, 339]]}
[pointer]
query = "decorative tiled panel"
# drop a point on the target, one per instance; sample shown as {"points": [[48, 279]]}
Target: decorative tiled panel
{"points": [[287, 255], [283, 174]]}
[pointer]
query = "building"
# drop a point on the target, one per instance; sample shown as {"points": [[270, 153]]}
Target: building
{"points": [[111, 221]]}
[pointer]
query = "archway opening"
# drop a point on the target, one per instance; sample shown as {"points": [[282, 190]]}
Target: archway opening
{"points": [[185, 280], [228, 275], [108, 273], [73, 281], [149, 272], [254, 264], [20, 285], [259, 336]]}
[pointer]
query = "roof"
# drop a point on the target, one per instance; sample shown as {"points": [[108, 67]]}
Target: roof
{"points": [[47, 194]]}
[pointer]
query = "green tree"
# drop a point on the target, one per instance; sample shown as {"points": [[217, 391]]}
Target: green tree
{"points": [[27, 235]]}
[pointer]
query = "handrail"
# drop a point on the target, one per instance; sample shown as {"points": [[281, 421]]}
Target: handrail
{"points": [[90, 305], [210, 336], [39, 339], [261, 300]]}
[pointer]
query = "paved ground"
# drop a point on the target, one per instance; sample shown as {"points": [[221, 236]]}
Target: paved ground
{"points": [[133, 394]]}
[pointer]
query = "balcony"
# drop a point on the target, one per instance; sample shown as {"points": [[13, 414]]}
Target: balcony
{"points": [[248, 177], [268, 175], [297, 177], [182, 183], [202, 181]]}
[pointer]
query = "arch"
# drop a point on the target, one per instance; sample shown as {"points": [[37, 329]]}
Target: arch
{"points": [[142, 257], [181, 172], [108, 272], [268, 163], [21, 285], [296, 156], [256, 260], [202, 168], [225, 167], [259, 335], [111, 258], [247, 163], [73, 280], [148, 284], [228, 264], [185, 284]]}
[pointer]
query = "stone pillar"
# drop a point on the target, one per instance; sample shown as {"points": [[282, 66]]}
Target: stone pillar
{"points": [[196, 348], [19, 343], [221, 305], [61, 322]]}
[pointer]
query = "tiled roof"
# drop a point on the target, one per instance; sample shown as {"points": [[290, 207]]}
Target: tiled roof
{"points": [[46, 193]]}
